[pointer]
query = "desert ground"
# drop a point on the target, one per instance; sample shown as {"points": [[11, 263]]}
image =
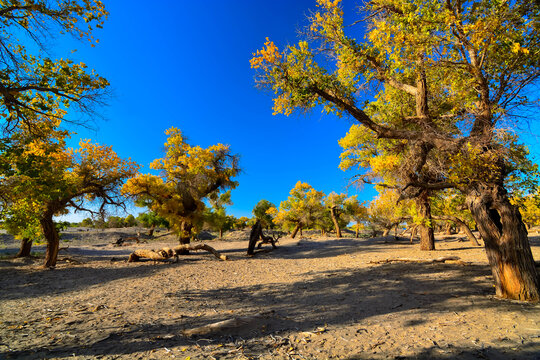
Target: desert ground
{"points": [[312, 298]]}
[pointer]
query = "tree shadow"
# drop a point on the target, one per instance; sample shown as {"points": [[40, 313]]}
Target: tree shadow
{"points": [[316, 299]]}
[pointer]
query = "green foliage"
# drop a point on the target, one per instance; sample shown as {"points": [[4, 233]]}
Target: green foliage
{"points": [[150, 218], [260, 211]]}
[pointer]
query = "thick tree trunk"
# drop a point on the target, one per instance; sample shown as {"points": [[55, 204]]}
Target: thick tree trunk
{"points": [[256, 231], [334, 215], [26, 247], [356, 233], [53, 240], [427, 237], [506, 242], [296, 229]]}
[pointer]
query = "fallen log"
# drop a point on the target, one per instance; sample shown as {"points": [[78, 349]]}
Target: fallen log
{"points": [[159, 255], [442, 259], [228, 325], [205, 247], [167, 253]]}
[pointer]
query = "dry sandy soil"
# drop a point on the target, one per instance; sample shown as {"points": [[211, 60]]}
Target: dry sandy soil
{"points": [[313, 298]]}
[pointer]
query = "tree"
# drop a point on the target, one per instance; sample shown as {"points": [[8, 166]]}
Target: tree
{"points": [[20, 219], [385, 213], [33, 86], [152, 220], [334, 203], [356, 210], [456, 71], [130, 221], [260, 211], [241, 223], [54, 178], [302, 208], [190, 174], [216, 217], [87, 222]]}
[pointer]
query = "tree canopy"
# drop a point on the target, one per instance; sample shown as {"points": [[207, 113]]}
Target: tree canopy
{"points": [[189, 176]]}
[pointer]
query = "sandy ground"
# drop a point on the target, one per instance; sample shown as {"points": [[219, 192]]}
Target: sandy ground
{"points": [[313, 298]]}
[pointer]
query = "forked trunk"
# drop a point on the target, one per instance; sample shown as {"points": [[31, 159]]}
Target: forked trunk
{"points": [[506, 242], [26, 247], [427, 237], [296, 229], [53, 240], [334, 215]]}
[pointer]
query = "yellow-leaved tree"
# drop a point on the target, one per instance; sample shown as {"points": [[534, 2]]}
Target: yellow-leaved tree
{"points": [[42, 178], [189, 176], [457, 72], [302, 208]]}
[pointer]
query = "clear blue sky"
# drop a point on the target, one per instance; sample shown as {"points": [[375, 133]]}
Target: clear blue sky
{"points": [[186, 64]]}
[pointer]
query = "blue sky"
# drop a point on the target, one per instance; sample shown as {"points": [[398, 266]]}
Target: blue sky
{"points": [[186, 64]]}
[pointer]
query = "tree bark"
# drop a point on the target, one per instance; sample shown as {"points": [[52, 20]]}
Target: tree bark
{"points": [[185, 236], [25, 249], [356, 233], [334, 215], [221, 233], [53, 240], [151, 230], [254, 235], [427, 237], [296, 229], [506, 242]]}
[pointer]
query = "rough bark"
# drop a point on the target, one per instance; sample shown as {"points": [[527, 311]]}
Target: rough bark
{"points": [[427, 237], [296, 229], [167, 253], [185, 236], [334, 214], [25, 249], [53, 240], [506, 242], [256, 230], [464, 227]]}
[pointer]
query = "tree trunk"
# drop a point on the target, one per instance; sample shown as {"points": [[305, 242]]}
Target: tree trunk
{"points": [[386, 231], [506, 242], [185, 236], [256, 231], [427, 237], [151, 230], [53, 240], [448, 228], [26, 247], [221, 233], [357, 226], [296, 229], [334, 215]]}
